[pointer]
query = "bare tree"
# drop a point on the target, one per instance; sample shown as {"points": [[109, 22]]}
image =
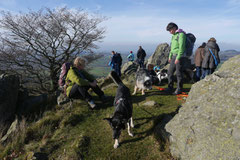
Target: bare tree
{"points": [[37, 43]]}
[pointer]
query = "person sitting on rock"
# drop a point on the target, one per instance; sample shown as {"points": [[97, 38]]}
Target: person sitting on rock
{"points": [[153, 74], [79, 82], [131, 56]]}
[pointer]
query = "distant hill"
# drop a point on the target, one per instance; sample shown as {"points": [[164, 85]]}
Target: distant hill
{"points": [[225, 55], [100, 67]]}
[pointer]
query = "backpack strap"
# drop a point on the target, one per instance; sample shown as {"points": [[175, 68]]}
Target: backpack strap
{"points": [[214, 57]]}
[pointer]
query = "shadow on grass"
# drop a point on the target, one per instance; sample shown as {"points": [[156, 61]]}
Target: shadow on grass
{"points": [[157, 129], [106, 104], [138, 98]]}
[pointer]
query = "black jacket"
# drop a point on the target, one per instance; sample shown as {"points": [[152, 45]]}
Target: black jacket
{"points": [[141, 54]]}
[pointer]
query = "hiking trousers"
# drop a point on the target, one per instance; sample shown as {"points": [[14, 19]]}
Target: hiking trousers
{"points": [[141, 63], [205, 72], [198, 73], [82, 91], [179, 73], [117, 69]]}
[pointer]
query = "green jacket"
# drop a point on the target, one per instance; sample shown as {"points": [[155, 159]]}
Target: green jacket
{"points": [[73, 78], [178, 45]]}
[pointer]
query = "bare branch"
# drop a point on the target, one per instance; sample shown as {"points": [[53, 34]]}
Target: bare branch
{"points": [[38, 43]]}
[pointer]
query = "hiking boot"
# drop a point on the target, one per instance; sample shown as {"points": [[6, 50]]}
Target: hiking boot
{"points": [[177, 91], [92, 104]]}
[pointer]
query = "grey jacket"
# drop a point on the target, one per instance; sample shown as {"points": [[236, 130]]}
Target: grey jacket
{"points": [[208, 60]]}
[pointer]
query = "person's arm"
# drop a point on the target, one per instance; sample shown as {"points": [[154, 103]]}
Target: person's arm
{"points": [[195, 56], [217, 56], [88, 76], [74, 78]]}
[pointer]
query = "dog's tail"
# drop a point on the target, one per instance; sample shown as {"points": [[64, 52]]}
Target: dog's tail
{"points": [[116, 78]]}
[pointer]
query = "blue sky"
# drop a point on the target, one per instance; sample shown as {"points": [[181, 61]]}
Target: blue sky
{"points": [[143, 22]]}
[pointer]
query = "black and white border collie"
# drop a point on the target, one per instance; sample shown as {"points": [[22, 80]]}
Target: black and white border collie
{"points": [[123, 110]]}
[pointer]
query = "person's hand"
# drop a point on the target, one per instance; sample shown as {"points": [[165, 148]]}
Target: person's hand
{"points": [[169, 60], [176, 61]]}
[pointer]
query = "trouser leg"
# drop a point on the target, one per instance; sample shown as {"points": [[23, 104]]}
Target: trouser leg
{"points": [[117, 70], [198, 73], [98, 91], [205, 72], [171, 71], [179, 74], [80, 91]]}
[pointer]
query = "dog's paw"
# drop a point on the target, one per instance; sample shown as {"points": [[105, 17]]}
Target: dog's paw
{"points": [[143, 93], [130, 134], [115, 146], [133, 93]]}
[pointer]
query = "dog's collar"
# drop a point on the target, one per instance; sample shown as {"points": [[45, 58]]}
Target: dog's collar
{"points": [[118, 101]]}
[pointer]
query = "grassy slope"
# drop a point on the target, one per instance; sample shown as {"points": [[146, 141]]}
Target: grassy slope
{"points": [[70, 133]]}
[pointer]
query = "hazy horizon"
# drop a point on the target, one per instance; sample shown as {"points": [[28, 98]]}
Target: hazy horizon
{"points": [[150, 48], [131, 23]]}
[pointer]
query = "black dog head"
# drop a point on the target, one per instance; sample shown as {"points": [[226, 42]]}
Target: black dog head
{"points": [[117, 124]]}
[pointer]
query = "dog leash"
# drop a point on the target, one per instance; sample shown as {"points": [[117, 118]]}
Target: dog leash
{"points": [[182, 97], [159, 88]]}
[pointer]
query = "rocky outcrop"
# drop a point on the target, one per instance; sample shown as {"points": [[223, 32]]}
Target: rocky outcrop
{"points": [[160, 56], [129, 68], [208, 125], [9, 86]]}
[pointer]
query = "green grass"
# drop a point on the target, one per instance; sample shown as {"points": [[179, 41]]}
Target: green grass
{"points": [[79, 132]]}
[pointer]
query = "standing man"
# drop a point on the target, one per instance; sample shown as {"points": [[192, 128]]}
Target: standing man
{"points": [[176, 59], [141, 54], [211, 57], [198, 58], [116, 62]]}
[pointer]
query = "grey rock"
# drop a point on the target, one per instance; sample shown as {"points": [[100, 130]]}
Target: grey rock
{"points": [[208, 125], [160, 56], [36, 104], [150, 103], [62, 99], [129, 68]]}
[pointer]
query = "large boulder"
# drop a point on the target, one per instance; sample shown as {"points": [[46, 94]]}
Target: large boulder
{"points": [[9, 86], [160, 56], [208, 125], [129, 68], [32, 105]]}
